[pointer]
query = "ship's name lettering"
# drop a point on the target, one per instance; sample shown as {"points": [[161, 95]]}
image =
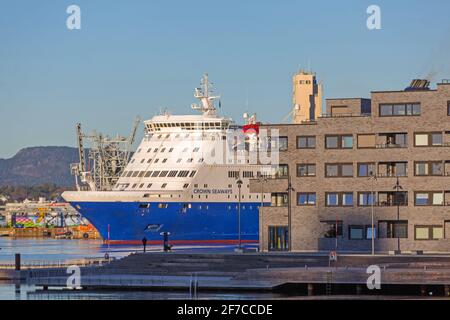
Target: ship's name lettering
{"points": [[213, 191]]}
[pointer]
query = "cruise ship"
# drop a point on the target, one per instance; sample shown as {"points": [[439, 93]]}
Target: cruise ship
{"points": [[171, 185]]}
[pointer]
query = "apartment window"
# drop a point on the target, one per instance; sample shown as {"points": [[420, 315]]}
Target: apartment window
{"points": [[333, 229], [392, 169], [279, 199], [283, 143], [428, 168], [394, 229], [393, 198], [400, 109], [428, 139], [339, 142], [339, 170], [366, 199], [280, 171], [366, 169], [306, 170], [428, 232], [432, 198], [306, 199], [278, 238], [356, 232], [393, 140], [366, 141], [306, 142], [339, 199]]}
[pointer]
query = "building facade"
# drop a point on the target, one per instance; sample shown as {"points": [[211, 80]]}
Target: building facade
{"points": [[388, 155]]}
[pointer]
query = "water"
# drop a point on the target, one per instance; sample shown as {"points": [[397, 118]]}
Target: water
{"points": [[60, 249]]}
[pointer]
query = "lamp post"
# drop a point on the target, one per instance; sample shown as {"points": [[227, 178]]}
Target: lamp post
{"points": [[262, 180], [373, 178], [398, 187], [239, 184], [289, 190]]}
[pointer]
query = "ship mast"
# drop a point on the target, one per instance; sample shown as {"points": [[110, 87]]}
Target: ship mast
{"points": [[203, 93]]}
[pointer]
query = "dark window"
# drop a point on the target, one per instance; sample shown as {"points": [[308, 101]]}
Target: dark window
{"points": [[278, 238], [333, 228], [393, 198], [283, 144], [306, 142], [396, 229], [400, 109], [356, 232]]}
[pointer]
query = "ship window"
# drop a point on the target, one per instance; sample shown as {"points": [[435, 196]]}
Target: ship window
{"points": [[185, 149], [148, 174], [134, 185], [173, 174], [171, 149], [141, 186], [183, 174], [129, 174], [164, 185], [139, 150], [156, 161], [150, 149], [164, 161], [163, 205], [141, 174], [192, 174], [196, 150], [132, 161], [149, 160], [190, 160], [201, 160], [186, 185], [155, 151], [163, 149], [155, 174], [248, 174], [149, 185], [179, 160], [135, 174], [233, 174], [163, 174]]}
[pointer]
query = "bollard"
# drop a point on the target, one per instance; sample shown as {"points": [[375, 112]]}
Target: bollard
{"points": [[310, 289], [18, 264]]}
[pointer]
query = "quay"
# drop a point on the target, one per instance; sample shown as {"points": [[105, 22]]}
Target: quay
{"points": [[304, 274]]}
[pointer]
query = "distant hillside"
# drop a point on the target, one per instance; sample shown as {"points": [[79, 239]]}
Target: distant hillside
{"points": [[39, 165]]}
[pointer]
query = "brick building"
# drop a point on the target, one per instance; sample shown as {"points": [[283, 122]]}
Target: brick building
{"points": [[389, 154]]}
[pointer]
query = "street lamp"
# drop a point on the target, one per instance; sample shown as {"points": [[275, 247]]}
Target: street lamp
{"points": [[289, 190], [398, 187], [239, 184], [373, 178], [262, 180]]}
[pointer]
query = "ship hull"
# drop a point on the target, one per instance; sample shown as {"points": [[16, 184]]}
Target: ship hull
{"points": [[187, 223]]}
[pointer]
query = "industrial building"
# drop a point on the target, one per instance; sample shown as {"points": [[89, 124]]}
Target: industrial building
{"points": [[365, 173]]}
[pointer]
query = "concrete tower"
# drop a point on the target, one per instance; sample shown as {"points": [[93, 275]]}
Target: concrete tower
{"points": [[307, 97]]}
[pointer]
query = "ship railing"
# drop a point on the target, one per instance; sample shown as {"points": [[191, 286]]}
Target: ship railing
{"points": [[44, 264]]}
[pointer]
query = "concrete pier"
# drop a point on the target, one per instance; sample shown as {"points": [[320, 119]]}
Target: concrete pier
{"points": [[423, 275]]}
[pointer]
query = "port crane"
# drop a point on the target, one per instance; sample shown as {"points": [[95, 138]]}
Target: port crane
{"points": [[106, 159]]}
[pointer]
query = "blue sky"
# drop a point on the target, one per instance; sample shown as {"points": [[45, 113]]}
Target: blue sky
{"points": [[134, 57]]}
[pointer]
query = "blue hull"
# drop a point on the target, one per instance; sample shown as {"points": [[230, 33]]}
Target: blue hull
{"points": [[193, 223]]}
